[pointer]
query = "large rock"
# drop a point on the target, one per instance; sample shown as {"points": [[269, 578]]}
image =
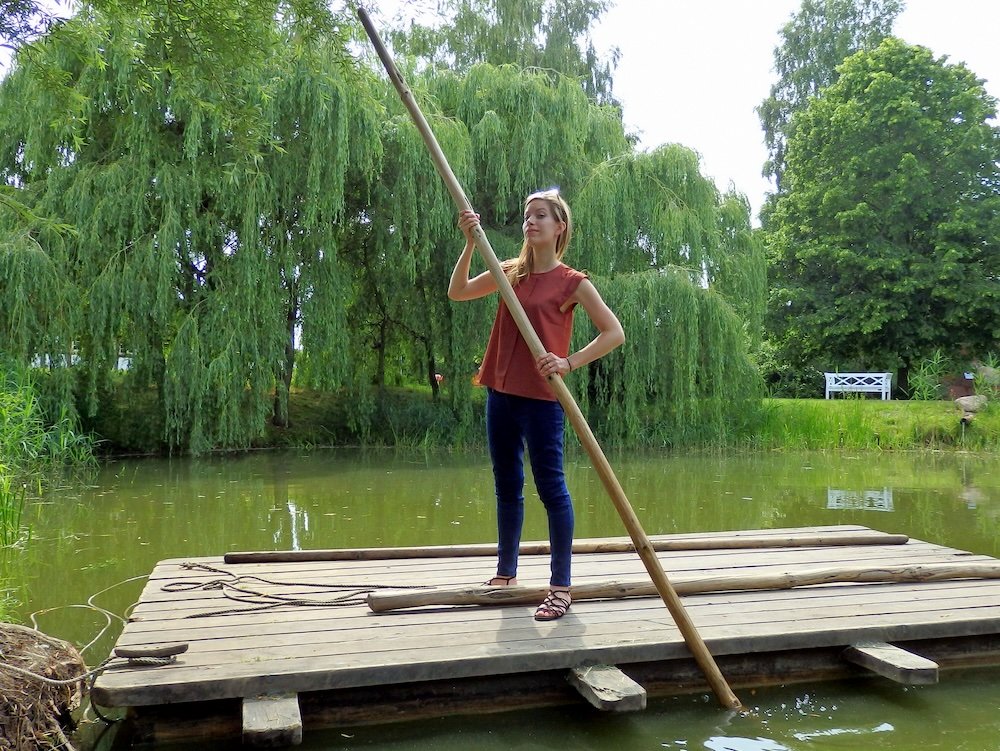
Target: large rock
{"points": [[971, 404]]}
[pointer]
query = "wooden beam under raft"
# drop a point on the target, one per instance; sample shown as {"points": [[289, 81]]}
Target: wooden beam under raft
{"points": [[303, 628]]}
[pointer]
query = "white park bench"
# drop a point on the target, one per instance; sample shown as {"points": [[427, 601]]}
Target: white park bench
{"points": [[874, 383]]}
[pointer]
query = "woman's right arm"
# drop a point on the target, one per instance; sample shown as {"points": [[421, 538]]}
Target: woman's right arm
{"points": [[461, 287]]}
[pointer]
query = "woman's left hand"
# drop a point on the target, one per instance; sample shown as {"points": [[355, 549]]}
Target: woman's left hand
{"points": [[552, 364]]}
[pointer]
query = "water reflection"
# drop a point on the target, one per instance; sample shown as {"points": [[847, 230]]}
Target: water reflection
{"points": [[744, 744], [862, 500], [297, 520], [885, 727]]}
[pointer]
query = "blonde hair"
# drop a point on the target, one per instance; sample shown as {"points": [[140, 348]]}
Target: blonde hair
{"points": [[518, 268]]}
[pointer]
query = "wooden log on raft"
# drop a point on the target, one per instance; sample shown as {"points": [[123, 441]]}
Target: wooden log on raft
{"points": [[384, 601], [583, 546]]}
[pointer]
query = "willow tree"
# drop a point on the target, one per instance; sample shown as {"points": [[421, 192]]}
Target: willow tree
{"points": [[497, 128], [682, 269], [221, 40], [552, 35], [402, 254], [678, 261], [194, 254]]}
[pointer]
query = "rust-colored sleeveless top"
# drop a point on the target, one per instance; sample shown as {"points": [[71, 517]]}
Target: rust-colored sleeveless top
{"points": [[508, 365]]}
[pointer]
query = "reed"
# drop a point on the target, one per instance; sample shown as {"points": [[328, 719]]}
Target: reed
{"points": [[31, 442], [12, 498], [871, 424], [12, 534], [31, 449]]}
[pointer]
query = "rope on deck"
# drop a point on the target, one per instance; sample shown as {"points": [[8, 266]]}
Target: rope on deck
{"points": [[91, 674], [240, 589]]}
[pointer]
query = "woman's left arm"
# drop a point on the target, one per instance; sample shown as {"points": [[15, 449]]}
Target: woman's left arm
{"points": [[609, 333]]}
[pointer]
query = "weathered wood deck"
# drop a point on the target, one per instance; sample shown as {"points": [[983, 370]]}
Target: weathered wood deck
{"points": [[343, 656]]}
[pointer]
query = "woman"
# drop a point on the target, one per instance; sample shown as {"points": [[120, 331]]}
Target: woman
{"points": [[520, 407]]}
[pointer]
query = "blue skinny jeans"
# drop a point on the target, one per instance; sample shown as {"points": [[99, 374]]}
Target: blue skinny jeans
{"points": [[512, 422]]}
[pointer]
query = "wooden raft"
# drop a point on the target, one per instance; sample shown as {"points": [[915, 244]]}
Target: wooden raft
{"points": [[349, 665]]}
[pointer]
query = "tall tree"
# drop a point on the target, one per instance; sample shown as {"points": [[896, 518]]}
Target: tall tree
{"points": [[813, 43], [886, 242], [551, 35], [195, 44], [686, 275], [224, 30], [196, 248]]}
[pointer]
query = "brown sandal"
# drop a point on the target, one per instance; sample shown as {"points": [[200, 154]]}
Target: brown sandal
{"points": [[501, 581], [554, 606]]}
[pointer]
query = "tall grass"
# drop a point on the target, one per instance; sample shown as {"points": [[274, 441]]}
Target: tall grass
{"points": [[859, 423], [927, 376], [32, 446], [12, 497]]}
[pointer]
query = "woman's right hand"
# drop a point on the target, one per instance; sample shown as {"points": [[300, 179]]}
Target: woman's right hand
{"points": [[468, 220]]}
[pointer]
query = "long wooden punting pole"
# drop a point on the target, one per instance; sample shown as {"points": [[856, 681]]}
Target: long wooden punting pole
{"points": [[692, 638], [742, 542], [928, 572]]}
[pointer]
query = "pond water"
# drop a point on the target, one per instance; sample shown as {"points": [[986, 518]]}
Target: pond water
{"points": [[92, 546]]}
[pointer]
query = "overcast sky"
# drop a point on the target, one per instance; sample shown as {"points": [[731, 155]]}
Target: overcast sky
{"points": [[693, 71]]}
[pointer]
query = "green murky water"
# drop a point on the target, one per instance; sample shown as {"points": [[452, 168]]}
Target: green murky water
{"points": [[94, 544]]}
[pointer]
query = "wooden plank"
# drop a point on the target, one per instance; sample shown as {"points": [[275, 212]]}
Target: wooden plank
{"points": [[377, 645], [251, 631], [190, 681], [317, 673], [607, 688], [479, 697], [579, 547], [731, 610], [337, 624], [336, 583], [179, 567], [272, 721], [893, 663], [585, 570], [834, 532]]}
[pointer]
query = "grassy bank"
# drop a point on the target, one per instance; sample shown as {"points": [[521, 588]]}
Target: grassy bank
{"points": [[873, 424], [409, 417]]}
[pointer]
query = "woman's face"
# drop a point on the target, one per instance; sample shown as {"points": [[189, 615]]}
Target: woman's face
{"points": [[541, 226]]}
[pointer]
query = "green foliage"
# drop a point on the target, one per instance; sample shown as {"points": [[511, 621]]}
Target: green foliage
{"points": [[33, 439], [12, 496], [193, 254], [814, 42], [885, 245], [683, 376], [871, 424], [927, 377], [311, 246], [24, 20], [553, 36], [987, 377], [33, 444]]}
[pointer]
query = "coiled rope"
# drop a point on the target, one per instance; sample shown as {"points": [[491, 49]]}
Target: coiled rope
{"points": [[243, 589]]}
